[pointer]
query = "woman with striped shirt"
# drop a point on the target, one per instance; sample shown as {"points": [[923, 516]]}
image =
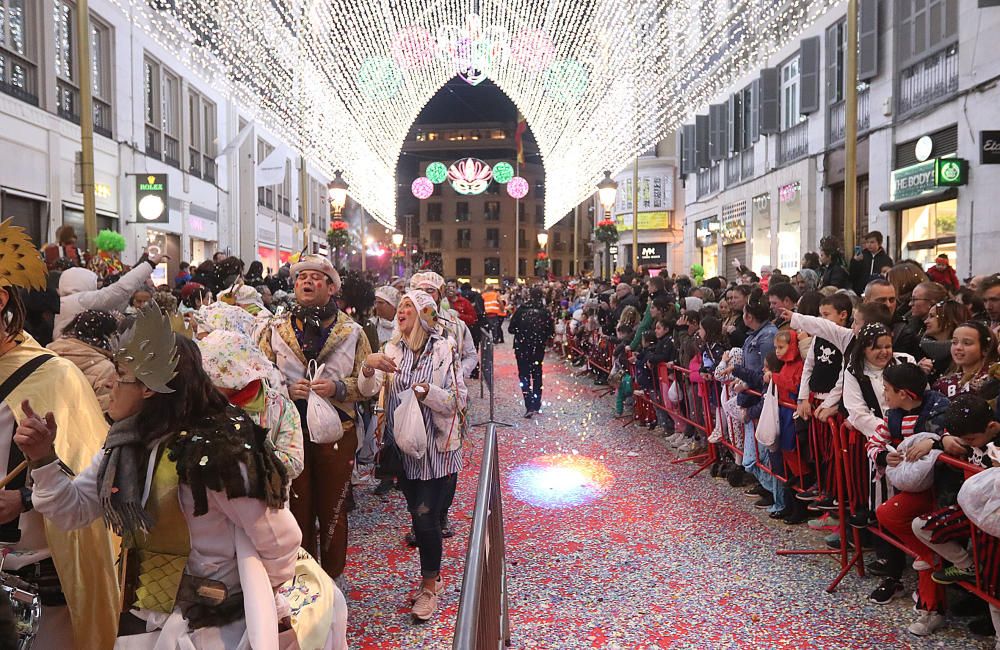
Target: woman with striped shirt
{"points": [[420, 357]]}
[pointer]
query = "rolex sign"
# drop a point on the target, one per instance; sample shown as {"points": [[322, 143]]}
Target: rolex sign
{"points": [[151, 198]]}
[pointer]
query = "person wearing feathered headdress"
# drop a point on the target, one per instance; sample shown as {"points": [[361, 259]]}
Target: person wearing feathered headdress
{"points": [[80, 601]]}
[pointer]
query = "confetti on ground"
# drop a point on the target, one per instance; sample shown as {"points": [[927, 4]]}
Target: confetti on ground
{"points": [[611, 546]]}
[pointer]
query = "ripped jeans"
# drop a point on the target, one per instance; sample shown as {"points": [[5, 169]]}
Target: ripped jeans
{"points": [[426, 501]]}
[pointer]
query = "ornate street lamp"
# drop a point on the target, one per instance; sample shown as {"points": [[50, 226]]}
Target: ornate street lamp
{"points": [[338, 193], [607, 190], [605, 231]]}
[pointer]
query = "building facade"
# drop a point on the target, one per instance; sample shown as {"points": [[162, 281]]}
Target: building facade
{"points": [[490, 236], [764, 165], [660, 211], [153, 114]]}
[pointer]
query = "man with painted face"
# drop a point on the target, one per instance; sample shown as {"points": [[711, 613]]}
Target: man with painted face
{"points": [[316, 331]]}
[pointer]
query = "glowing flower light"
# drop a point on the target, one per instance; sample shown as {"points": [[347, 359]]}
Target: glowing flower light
{"points": [[517, 187], [470, 176], [503, 172], [560, 481], [413, 46], [379, 77], [437, 172], [422, 187], [567, 80], [533, 49]]}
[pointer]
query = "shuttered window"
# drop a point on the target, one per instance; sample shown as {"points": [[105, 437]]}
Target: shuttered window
{"points": [[701, 135], [769, 103], [809, 65]]}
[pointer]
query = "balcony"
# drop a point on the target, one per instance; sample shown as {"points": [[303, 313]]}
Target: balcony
{"points": [[153, 143], [733, 169], [746, 164], [715, 178], [703, 183], [464, 243], [102, 118], [434, 244], [928, 80], [793, 143], [838, 118], [194, 168], [208, 169]]}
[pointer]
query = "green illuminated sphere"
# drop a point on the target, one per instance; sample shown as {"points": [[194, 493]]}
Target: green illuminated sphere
{"points": [[502, 172], [437, 172]]}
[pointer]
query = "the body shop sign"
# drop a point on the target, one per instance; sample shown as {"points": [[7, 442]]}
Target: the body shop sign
{"points": [[927, 176], [152, 198]]}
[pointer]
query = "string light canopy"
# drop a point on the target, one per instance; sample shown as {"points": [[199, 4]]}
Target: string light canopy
{"points": [[599, 81]]}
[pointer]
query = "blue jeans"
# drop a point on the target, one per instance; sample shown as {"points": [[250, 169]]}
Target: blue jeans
{"points": [[769, 458]]}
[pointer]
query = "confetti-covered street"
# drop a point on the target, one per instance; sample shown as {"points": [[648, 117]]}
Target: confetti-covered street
{"points": [[611, 546]]}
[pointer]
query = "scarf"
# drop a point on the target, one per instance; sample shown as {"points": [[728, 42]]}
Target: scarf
{"points": [[311, 336], [119, 480]]}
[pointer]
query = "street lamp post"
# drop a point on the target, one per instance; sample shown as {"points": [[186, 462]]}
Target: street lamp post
{"points": [[607, 190], [397, 243], [543, 240], [337, 190]]}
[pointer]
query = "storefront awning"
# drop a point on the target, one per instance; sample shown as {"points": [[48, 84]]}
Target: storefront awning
{"points": [[935, 196]]}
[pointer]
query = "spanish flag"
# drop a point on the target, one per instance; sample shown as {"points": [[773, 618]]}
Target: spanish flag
{"points": [[518, 137]]}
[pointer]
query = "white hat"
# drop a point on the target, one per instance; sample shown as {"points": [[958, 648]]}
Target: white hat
{"points": [[316, 263], [388, 294], [427, 280]]}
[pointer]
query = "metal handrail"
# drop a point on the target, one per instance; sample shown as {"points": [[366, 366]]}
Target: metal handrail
{"points": [[483, 619]]}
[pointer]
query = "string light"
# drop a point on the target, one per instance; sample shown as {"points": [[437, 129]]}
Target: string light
{"points": [[598, 81]]}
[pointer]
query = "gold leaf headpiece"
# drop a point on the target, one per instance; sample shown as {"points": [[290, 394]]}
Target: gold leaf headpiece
{"points": [[149, 350], [20, 263]]}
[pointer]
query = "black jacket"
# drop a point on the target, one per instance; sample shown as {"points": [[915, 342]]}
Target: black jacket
{"points": [[532, 327], [834, 275], [868, 268]]}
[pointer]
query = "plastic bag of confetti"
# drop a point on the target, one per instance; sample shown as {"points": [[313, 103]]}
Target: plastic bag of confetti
{"points": [[408, 428]]}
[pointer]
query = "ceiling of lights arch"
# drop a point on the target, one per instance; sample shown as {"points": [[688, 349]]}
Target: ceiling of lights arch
{"points": [[598, 81]]}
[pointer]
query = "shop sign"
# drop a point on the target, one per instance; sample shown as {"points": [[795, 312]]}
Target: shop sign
{"points": [[788, 193], [152, 198], [707, 232], [912, 180], [989, 147], [951, 172], [647, 221], [652, 253]]}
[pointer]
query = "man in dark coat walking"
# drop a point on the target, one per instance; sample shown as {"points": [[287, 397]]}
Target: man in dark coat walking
{"points": [[532, 327]]}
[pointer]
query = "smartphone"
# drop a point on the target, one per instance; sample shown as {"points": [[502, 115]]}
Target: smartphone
{"points": [[857, 250]]}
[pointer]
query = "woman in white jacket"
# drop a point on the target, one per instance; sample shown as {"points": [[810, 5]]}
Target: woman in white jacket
{"points": [[422, 358]]}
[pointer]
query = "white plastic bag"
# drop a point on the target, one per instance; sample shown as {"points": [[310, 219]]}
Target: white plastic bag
{"points": [[674, 392], [322, 418], [979, 499], [768, 429], [408, 426], [915, 475]]}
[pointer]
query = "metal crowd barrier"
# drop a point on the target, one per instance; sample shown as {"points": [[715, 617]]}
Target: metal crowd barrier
{"points": [[835, 455], [483, 619]]}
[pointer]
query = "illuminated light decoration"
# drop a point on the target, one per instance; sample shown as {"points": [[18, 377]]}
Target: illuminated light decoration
{"points": [[412, 47], [533, 49], [292, 66], [472, 50], [422, 187], [379, 77], [437, 172], [566, 80], [517, 187], [470, 176], [503, 172], [559, 481]]}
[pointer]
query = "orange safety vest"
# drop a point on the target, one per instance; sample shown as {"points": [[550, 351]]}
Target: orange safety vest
{"points": [[491, 303]]}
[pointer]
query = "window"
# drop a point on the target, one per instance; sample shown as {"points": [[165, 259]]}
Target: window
{"points": [[491, 266], [463, 266], [492, 238], [492, 210], [836, 42], [283, 192], [265, 195], [67, 67], [790, 94], [201, 143], [540, 190], [522, 239], [928, 231], [464, 238], [435, 238], [522, 266], [162, 90], [462, 211], [18, 67], [539, 213], [433, 212], [557, 268]]}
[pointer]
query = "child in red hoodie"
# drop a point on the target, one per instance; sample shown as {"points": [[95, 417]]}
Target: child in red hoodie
{"points": [[943, 274], [786, 380]]}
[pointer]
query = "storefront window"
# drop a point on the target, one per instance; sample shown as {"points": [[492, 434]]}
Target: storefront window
{"points": [[761, 231], [707, 232], [927, 231], [789, 221]]}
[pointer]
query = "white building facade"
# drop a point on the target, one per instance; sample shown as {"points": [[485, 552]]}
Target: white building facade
{"points": [[764, 168], [152, 115]]}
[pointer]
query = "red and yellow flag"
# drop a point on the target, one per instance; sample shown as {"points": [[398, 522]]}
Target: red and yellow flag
{"points": [[518, 137]]}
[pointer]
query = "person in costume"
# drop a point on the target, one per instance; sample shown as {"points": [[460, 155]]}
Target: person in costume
{"points": [[193, 489], [74, 571], [386, 302], [241, 372], [421, 357], [315, 331], [63, 253], [88, 342]]}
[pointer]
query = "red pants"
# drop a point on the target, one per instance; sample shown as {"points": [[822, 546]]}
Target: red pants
{"points": [[896, 516]]}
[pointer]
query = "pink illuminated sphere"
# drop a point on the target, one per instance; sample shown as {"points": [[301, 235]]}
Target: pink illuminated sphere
{"points": [[517, 187], [422, 188]]}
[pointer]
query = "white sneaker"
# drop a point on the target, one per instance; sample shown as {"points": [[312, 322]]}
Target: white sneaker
{"points": [[927, 624], [676, 439], [920, 565]]}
